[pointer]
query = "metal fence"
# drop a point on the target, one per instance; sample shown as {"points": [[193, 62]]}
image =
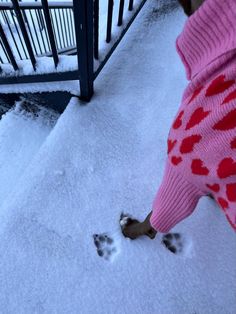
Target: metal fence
{"points": [[62, 23], [29, 30]]}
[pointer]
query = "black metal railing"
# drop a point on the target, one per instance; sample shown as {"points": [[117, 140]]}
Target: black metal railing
{"points": [[60, 15], [30, 30]]}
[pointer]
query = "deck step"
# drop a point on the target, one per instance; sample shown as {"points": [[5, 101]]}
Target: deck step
{"points": [[23, 130]]}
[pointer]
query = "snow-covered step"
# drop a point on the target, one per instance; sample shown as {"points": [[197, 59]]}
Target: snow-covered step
{"points": [[23, 129]]}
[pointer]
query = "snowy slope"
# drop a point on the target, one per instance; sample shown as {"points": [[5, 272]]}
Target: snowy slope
{"points": [[21, 136], [99, 160]]}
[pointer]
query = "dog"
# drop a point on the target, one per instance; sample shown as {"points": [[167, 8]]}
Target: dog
{"points": [[202, 140]]}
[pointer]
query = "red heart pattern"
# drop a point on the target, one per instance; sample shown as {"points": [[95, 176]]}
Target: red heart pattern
{"points": [[231, 192], [188, 143], [218, 86], [233, 143], [195, 94], [223, 203], [178, 122], [226, 168], [176, 160], [198, 116], [214, 187], [171, 144], [198, 168], [230, 97], [227, 123]]}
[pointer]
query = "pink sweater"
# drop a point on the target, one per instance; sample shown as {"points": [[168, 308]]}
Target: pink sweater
{"points": [[202, 140]]}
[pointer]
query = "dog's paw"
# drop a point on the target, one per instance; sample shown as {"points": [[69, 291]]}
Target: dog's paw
{"points": [[173, 242], [105, 246], [126, 220]]}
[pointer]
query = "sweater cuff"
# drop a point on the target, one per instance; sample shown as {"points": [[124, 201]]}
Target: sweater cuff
{"points": [[175, 200]]}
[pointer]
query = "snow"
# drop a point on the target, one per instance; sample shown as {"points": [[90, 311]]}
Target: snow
{"points": [[98, 161], [44, 65], [21, 136], [68, 86]]}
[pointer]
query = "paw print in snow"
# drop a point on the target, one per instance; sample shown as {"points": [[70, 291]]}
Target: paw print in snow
{"points": [[105, 246], [173, 242]]}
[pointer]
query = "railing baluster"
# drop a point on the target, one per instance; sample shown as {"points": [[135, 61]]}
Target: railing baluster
{"points": [[36, 33], [68, 26], [50, 31], [131, 5], [0, 65], [40, 14], [62, 29], [4, 50], [12, 35], [109, 20], [121, 12], [83, 17], [61, 46], [24, 15], [36, 12], [4, 19], [96, 29], [19, 35], [8, 48], [24, 32], [31, 36], [43, 28], [53, 28], [72, 26], [45, 33], [64, 23]]}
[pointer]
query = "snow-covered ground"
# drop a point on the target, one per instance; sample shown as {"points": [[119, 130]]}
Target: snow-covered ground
{"points": [[99, 160]]}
